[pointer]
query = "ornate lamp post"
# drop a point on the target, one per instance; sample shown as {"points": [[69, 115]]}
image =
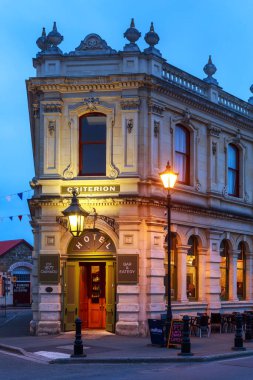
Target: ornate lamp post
{"points": [[168, 178], [76, 216]]}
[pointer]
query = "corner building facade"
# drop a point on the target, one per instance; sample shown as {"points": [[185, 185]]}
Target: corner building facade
{"points": [[105, 123]]}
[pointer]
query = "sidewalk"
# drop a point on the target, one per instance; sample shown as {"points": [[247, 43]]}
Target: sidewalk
{"points": [[103, 347]]}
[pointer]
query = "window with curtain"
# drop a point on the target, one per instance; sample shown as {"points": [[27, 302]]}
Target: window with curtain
{"points": [[173, 268], [233, 170], [182, 154], [224, 270], [241, 272], [192, 269], [92, 145]]}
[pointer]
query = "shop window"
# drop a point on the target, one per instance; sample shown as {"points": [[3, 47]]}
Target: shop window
{"points": [[233, 170], [173, 268], [92, 145], [241, 272], [224, 270], [182, 154], [192, 269]]}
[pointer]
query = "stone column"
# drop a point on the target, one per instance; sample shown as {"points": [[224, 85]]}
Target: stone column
{"points": [[249, 263], [233, 275], [212, 273], [181, 272], [202, 274]]}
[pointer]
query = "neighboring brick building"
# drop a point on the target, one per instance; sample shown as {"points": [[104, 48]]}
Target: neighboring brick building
{"points": [[15, 270]]}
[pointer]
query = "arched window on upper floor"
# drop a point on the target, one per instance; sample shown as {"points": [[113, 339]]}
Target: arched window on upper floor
{"points": [[92, 145], [241, 272], [224, 270], [182, 154], [233, 170]]}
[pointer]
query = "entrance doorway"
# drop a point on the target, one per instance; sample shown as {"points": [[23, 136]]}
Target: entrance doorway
{"points": [[89, 293], [89, 282], [92, 301]]}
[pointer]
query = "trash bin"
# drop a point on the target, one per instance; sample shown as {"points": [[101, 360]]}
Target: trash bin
{"points": [[157, 331]]}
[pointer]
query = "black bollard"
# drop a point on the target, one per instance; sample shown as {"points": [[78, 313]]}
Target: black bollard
{"points": [[186, 343], [238, 334], [78, 344], [248, 332]]}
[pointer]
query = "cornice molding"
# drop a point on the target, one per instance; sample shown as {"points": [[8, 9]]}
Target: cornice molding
{"points": [[201, 103], [121, 82], [141, 201]]}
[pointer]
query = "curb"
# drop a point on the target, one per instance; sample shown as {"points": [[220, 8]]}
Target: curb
{"points": [[129, 360], [13, 349], [181, 359]]}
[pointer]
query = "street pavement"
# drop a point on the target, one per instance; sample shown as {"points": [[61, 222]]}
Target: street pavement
{"points": [[102, 347]]}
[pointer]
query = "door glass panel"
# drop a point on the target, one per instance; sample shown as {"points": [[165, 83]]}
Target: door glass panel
{"points": [[95, 284]]}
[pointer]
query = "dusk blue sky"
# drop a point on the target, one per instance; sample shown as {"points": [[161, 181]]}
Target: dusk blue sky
{"points": [[189, 31]]}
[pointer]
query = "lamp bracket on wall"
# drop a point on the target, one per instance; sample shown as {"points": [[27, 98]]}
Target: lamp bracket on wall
{"points": [[90, 221]]}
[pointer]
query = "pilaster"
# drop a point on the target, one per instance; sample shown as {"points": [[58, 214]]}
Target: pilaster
{"points": [[181, 272], [249, 279], [202, 253], [233, 276]]}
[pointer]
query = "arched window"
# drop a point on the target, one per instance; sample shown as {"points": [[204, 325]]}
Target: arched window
{"points": [[233, 170], [92, 145], [241, 272], [182, 154], [192, 269], [224, 270], [173, 268]]}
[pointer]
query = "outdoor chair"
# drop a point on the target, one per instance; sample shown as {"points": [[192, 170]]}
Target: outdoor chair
{"points": [[216, 322], [201, 326]]}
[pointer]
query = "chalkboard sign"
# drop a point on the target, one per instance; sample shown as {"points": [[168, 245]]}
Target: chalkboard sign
{"points": [[176, 332]]}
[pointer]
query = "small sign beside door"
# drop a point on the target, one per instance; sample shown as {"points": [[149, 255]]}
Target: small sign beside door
{"points": [[49, 269], [127, 269]]}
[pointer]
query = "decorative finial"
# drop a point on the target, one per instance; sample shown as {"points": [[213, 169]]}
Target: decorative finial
{"points": [[54, 38], [132, 35], [251, 98], [42, 41], [48, 43], [210, 70], [152, 39]]}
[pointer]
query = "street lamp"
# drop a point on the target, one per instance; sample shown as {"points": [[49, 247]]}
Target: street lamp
{"points": [[168, 178], [76, 215]]}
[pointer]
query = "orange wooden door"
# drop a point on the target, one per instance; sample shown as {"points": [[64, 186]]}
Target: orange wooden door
{"points": [[96, 305]]}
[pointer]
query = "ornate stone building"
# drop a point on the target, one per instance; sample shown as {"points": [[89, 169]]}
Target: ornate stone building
{"points": [[105, 123]]}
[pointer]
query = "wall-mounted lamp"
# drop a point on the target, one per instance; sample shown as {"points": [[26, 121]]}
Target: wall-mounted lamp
{"points": [[76, 216]]}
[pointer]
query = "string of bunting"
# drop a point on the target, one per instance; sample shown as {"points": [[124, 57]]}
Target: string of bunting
{"points": [[20, 195], [11, 218]]}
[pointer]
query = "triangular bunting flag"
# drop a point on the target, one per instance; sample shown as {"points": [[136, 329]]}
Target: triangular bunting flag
{"points": [[10, 217], [20, 217], [8, 198], [20, 196]]}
